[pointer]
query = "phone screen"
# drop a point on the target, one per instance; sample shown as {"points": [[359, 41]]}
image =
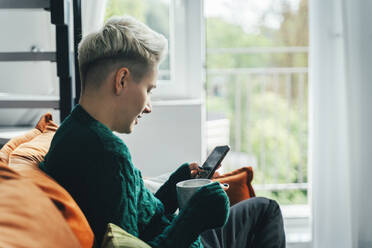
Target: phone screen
{"points": [[213, 160]]}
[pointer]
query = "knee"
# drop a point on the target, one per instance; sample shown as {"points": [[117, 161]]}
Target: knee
{"points": [[269, 206], [273, 209], [269, 202], [260, 205]]}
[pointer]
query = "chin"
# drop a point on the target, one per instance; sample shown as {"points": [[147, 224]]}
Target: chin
{"points": [[126, 130], [129, 130]]}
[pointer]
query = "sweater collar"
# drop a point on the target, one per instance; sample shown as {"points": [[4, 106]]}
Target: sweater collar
{"points": [[80, 114]]}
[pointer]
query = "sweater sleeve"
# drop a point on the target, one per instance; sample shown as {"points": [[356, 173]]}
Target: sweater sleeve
{"points": [[208, 208], [153, 231], [159, 232], [167, 193]]}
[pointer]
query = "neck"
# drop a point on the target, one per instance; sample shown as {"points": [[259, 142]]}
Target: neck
{"points": [[98, 109]]}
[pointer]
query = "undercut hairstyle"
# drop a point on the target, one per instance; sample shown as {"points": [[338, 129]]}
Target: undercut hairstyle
{"points": [[121, 42]]}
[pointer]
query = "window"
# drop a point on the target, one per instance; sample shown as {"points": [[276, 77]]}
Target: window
{"points": [[154, 13], [180, 74], [257, 90]]}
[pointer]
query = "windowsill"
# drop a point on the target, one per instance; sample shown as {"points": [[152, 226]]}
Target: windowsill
{"points": [[175, 101], [297, 225]]}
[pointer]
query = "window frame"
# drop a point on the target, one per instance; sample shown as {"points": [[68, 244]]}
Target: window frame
{"points": [[187, 52]]}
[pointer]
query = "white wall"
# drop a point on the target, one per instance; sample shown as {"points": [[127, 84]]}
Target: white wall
{"points": [[166, 138]]}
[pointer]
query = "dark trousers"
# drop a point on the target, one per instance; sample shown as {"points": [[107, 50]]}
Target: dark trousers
{"points": [[253, 223]]}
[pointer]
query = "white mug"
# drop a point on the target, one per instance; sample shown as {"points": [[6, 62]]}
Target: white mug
{"points": [[186, 189]]}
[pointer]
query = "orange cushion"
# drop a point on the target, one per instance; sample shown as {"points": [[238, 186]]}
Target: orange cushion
{"points": [[9, 147], [33, 151], [27, 217], [240, 187], [45, 124], [25, 160], [62, 200]]}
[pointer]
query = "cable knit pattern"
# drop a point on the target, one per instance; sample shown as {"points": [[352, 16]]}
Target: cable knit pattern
{"points": [[115, 147], [167, 193], [96, 167]]}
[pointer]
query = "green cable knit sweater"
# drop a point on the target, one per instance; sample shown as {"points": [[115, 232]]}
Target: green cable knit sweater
{"points": [[96, 168]]}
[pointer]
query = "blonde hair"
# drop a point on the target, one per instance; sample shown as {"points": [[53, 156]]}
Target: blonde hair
{"points": [[122, 41]]}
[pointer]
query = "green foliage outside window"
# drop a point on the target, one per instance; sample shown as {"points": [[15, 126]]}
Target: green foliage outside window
{"points": [[273, 123]]}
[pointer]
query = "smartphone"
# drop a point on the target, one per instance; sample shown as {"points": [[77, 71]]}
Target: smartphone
{"points": [[214, 159]]}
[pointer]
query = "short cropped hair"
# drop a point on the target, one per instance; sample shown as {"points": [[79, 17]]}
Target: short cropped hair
{"points": [[121, 42]]}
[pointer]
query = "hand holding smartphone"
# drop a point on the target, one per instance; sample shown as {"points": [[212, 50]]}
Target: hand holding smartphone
{"points": [[213, 161]]}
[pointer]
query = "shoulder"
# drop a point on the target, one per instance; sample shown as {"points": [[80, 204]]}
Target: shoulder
{"points": [[88, 144], [89, 134], [72, 136], [111, 142]]}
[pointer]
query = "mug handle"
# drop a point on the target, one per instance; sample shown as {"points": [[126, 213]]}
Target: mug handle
{"points": [[225, 186]]}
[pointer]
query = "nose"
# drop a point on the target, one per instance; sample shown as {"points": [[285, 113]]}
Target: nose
{"points": [[148, 108]]}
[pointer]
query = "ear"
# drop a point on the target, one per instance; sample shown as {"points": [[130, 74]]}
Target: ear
{"points": [[121, 80]]}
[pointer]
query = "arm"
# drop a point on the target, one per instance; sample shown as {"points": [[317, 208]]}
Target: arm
{"points": [[78, 165], [167, 193], [208, 208]]}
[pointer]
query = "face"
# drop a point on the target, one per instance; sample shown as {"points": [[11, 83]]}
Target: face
{"points": [[135, 101]]}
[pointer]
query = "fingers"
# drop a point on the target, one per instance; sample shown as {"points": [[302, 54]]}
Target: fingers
{"points": [[193, 166], [216, 174], [194, 169], [194, 173]]}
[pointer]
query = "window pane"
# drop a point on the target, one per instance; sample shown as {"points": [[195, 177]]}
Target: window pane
{"points": [[257, 91], [155, 13]]}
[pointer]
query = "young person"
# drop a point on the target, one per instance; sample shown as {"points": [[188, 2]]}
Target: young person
{"points": [[119, 67]]}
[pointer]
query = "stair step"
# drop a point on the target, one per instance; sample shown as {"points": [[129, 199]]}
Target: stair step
{"points": [[28, 56], [28, 101], [24, 4], [7, 133]]}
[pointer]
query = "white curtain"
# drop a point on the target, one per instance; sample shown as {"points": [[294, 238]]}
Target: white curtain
{"points": [[341, 122], [92, 13]]}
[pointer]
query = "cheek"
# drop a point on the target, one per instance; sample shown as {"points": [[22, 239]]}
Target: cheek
{"points": [[140, 101], [143, 99]]}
